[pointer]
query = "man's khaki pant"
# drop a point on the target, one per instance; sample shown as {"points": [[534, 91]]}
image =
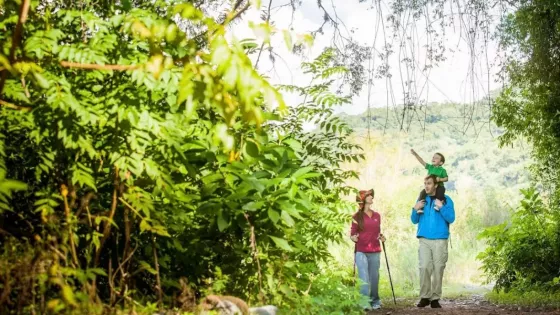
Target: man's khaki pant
{"points": [[432, 256]]}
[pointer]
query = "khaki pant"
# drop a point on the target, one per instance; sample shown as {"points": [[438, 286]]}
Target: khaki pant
{"points": [[432, 256]]}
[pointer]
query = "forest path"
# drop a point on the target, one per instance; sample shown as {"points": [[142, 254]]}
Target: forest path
{"points": [[476, 304]]}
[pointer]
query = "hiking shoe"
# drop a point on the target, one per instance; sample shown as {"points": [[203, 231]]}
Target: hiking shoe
{"points": [[423, 303], [376, 307], [435, 304]]}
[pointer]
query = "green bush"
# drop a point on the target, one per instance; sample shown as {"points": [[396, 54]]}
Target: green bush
{"points": [[523, 253]]}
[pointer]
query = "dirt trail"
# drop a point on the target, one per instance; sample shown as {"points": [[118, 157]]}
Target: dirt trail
{"points": [[475, 305]]}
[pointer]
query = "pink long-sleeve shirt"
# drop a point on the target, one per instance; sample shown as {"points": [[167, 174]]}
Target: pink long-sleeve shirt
{"points": [[368, 239]]}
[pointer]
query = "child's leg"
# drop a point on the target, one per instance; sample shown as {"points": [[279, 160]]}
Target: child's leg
{"points": [[440, 193], [422, 197]]}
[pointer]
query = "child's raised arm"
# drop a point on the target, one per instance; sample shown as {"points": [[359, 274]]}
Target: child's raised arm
{"points": [[418, 157]]}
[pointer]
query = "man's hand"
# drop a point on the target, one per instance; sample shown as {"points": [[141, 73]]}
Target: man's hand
{"points": [[419, 205], [439, 204], [354, 238], [382, 238]]}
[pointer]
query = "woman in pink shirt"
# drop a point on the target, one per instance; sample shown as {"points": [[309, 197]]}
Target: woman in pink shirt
{"points": [[366, 233]]}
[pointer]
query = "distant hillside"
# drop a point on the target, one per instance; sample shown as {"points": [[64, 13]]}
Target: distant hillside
{"points": [[465, 136]]}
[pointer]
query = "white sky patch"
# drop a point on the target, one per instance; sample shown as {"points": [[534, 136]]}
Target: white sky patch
{"points": [[451, 81]]}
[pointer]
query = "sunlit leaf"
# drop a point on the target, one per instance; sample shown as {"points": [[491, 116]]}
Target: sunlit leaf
{"points": [[251, 148], [68, 295], [273, 215], [282, 243]]}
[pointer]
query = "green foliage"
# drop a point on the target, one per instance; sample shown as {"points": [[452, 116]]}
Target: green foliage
{"points": [[321, 175], [527, 248], [529, 105], [530, 34], [330, 290], [529, 298], [150, 154], [138, 146], [523, 253], [7, 186]]}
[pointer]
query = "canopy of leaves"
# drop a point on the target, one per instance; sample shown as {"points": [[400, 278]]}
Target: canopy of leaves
{"points": [[529, 106]]}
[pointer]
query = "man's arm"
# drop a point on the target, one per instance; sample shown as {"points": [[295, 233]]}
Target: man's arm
{"points": [[448, 211], [414, 216], [418, 157]]}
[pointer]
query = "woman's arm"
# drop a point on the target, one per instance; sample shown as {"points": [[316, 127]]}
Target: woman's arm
{"points": [[381, 236], [354, 230]]}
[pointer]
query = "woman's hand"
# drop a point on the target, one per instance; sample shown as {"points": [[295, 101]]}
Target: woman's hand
{"points": [[354, 238], [382, 238]]}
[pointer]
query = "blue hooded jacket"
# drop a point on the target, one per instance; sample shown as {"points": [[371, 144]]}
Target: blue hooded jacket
{"points": [[434, 224]]}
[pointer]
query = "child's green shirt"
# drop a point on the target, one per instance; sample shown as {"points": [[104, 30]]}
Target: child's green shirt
{"points": [[438, 171]]}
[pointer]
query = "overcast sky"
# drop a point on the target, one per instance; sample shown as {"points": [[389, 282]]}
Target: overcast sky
{"points": [[450, 81]]}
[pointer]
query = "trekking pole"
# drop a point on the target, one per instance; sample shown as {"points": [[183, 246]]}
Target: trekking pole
{"points": [[389, 271], [354, 273]]}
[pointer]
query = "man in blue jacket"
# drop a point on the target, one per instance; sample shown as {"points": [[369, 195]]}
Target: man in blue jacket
{"points": [[433, 234]]}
